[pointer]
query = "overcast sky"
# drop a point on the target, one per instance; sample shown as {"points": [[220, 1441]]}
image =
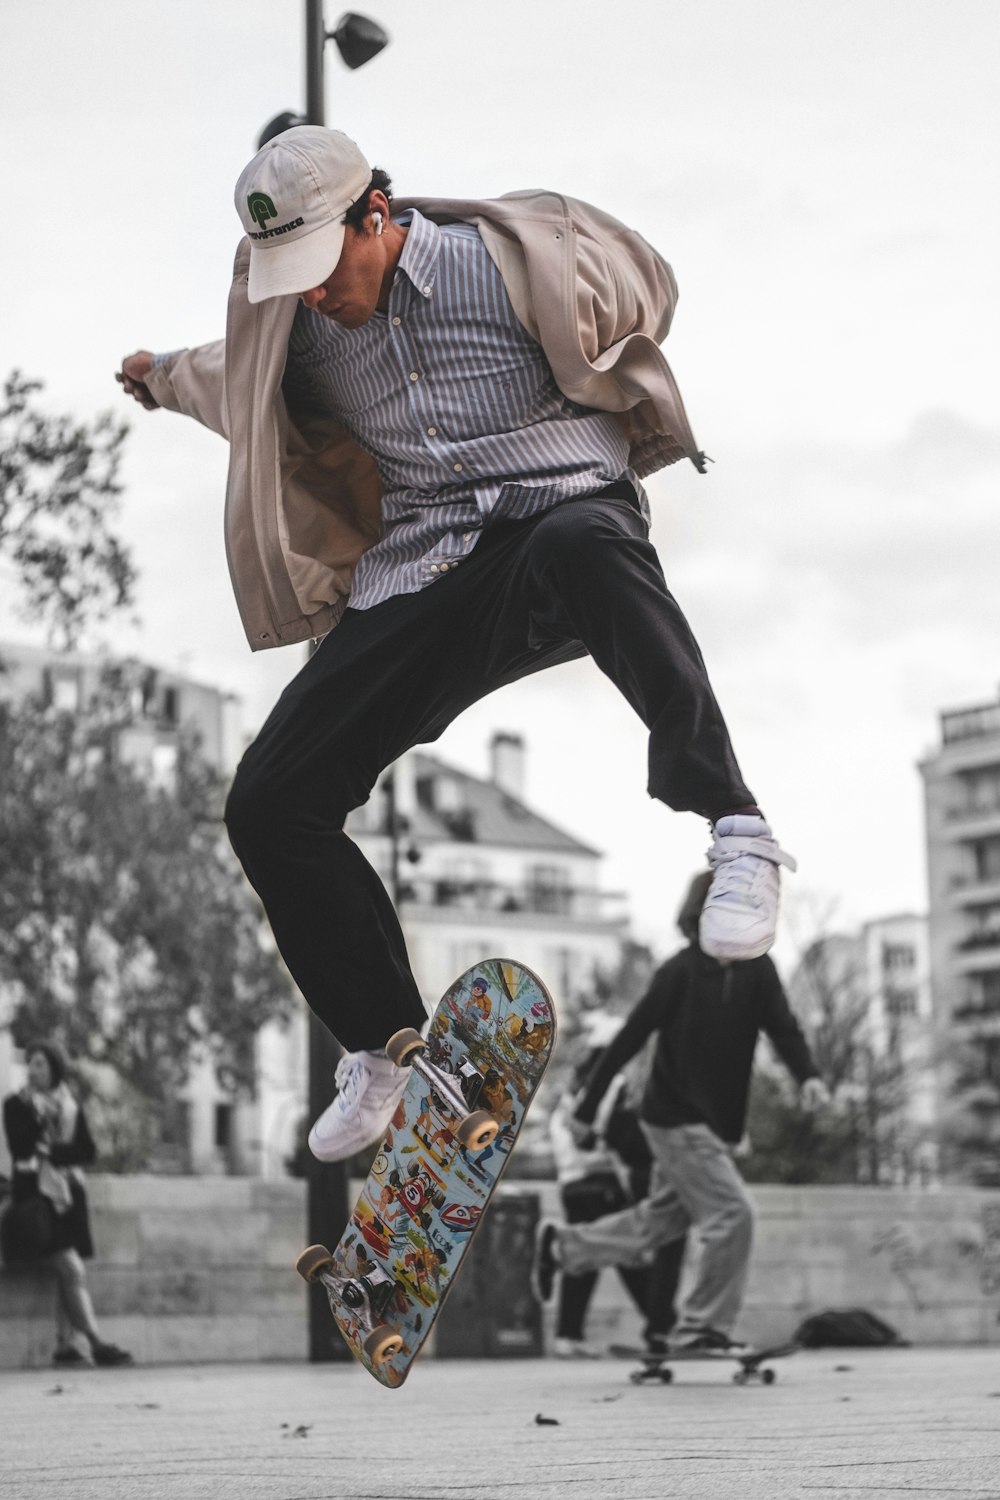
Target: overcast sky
{"points": [[823, 180]]}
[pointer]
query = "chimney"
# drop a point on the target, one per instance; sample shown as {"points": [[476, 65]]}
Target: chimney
{"points": [[507, 763]]}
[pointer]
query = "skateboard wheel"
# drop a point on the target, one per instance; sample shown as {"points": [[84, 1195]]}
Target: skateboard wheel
{"points": [[666, 1377], [313, 1261], [477, 1130], [382, 1344], [768, 1376], [403, 1046]]}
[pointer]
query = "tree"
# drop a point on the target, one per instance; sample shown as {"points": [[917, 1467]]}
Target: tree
{"points": [[860, 1137], [126, 927], [790, 1144], [58, 499]]}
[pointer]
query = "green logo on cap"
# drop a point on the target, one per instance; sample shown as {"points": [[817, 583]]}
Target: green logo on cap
{"points": [[261, 208]]}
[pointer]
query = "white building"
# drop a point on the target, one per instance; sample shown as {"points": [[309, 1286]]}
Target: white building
{"points": [[873, 985], [962, 813]]}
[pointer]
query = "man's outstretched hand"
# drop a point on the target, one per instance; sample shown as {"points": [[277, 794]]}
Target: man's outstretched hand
{"points": [[132, 378], [814, 1095]]}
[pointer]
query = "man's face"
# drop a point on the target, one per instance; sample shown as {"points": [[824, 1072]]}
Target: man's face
{"points": [[39, 1071], [350, 293]]}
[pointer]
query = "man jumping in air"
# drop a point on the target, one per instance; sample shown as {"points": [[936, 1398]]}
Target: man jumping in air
{"points": [[439, 415]]}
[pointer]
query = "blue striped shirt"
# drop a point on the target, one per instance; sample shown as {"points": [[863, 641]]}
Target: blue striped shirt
{"points": [[456, 403]]}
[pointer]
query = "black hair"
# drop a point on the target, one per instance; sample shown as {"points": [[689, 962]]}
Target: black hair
{"points": [[53, 1055], [356, 214], [694, 900]]}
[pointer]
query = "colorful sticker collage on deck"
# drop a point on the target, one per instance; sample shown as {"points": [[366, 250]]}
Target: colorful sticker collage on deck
{"points": [[493, 1031]]}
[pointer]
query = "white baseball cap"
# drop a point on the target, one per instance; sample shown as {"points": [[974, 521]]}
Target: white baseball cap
{"points": [[291, 199]]}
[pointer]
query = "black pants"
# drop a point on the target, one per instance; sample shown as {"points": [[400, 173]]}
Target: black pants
{"points": [[583, 1201], [580, 578]]}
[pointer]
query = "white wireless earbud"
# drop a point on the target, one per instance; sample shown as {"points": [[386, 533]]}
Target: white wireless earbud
{"points": [[377, 221]]}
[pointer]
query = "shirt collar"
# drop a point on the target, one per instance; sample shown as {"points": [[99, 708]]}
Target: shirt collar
{"points": [[421, 249]]}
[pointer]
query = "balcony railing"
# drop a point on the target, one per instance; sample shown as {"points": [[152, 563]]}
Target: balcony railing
{"points": [[971, 723], [968, 811], [972, 1012], [988, 938], [494, 896], [965, 880]]}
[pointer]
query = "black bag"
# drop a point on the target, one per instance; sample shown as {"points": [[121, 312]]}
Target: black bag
{"points": [[847, 1328], [27, 1230], [623, 1134]]}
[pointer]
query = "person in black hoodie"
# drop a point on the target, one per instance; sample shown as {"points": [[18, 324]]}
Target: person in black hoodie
{"points": [[49, 1140], [707, 1017]]}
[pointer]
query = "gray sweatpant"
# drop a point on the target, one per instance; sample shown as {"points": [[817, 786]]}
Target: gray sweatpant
{"points": [[694, 1184]]}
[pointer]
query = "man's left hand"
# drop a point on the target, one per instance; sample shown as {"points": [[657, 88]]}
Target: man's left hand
{"points": [[814, 1095]]}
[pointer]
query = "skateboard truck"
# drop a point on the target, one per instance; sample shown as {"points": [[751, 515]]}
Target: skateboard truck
{"points": [[367, 1297], [475, 1131]]}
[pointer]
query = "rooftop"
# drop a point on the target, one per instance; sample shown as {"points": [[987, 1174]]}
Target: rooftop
{"points": [[454, 805], [980, 722]]}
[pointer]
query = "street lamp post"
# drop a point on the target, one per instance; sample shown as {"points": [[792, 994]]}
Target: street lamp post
{"points": [[358, 40]]}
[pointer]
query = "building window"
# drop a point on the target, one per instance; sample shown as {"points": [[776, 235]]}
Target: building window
{"points": [[986, 858], [223, 1135], [897, 957], [163, 766], [979, 792], [62, 689], [901, 1003], [983, 929], [984, 991], [549, 889]]}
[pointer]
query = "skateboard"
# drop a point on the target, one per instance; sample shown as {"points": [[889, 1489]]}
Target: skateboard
{"points": [[471, 1081], [752, 1362]]}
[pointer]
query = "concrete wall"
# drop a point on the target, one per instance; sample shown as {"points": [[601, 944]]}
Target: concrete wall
{"points": [[187, 1269], [928, 1263], [200, 1269]]}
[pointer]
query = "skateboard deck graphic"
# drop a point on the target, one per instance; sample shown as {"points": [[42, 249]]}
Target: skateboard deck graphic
{"points": [[487, 1047], [753, 1363]]}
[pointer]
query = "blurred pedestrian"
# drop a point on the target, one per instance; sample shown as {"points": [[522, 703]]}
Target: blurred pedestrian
{"points": [[48, 1221], [594, 1180], [707, 1017]]}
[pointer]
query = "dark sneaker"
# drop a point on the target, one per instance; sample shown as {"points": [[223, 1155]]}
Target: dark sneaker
{"points": [[545, 1264], [69, 1354], [705, 1341], [110, 1354]]}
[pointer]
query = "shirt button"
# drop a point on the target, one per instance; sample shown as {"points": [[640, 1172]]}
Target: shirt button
{"points": [[432, 432], [434, 567], [427, 291], [468, 536], [396, 322], [414, 375], [457, 468]]}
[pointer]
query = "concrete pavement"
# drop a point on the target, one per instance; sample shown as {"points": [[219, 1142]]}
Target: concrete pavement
{"points": [[836, 1424]]}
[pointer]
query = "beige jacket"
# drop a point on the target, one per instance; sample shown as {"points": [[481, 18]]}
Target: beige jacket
{"points": [[303, 503]]}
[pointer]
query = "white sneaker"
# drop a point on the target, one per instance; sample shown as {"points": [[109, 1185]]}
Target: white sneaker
{"points": [[574, 1349], [705, 1341], [740, 914], [369, 1088]]}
